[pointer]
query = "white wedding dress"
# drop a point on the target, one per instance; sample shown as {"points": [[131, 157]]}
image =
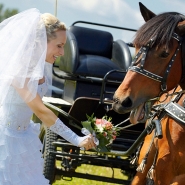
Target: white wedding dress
{"points": [[21, 161]]}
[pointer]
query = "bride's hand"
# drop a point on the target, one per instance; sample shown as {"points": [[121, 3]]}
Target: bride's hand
{"points": [[88, 143]]}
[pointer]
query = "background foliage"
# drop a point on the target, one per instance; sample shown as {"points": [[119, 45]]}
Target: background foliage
{"points": [[6, 13]]}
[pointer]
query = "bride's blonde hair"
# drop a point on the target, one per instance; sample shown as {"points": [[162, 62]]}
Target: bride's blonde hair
{"points": [[52, 25]]}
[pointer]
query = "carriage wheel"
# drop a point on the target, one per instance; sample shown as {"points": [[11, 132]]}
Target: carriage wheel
{"points": [[49, 159]]}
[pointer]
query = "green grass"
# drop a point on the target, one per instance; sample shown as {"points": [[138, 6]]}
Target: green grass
{"points": [[101, 171]]}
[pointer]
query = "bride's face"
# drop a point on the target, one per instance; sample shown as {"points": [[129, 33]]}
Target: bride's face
{"points": [[55, 47]]}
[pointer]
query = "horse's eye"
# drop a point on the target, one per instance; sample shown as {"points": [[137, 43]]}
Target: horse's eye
{"points": [[164, 54]]}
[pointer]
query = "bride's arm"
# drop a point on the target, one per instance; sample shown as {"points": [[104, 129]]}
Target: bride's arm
{"points": [[55, 124], [42, 112]]}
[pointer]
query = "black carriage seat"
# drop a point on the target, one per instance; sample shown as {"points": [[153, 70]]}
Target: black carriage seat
{"points": [[91, 52]]}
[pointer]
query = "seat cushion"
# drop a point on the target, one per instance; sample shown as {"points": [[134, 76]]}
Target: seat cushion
{"points": [[95, 66]]}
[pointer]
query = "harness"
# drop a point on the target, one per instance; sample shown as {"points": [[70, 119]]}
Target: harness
{"points": [[143, 51], [172, 108]]}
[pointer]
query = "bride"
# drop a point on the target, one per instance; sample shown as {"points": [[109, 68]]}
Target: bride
{"points": [[28, 40]]}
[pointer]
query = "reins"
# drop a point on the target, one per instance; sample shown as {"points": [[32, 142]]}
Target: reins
{"points": [[156, 108], [166, 96]]}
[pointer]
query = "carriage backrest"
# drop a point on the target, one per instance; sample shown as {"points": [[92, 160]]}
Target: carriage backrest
{"points": [[92, 52], [92, 41]]}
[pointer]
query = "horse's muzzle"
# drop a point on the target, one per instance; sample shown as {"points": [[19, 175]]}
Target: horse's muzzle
{"points": [[122, 107]]}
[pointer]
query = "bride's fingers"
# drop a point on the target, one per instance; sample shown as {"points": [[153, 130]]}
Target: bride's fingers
{"points": [[88, 143], [91, 144]]}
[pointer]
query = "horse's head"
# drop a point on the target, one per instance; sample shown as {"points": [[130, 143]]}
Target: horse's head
{"points": [[158, 64]]}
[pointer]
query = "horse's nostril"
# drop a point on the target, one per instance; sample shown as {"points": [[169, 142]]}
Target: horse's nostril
{"points": [[127, 102], [116, 100]]}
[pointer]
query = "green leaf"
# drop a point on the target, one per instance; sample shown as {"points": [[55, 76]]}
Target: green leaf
{"points": [[87, 125], [102, 149], [90, 118], [102, 140]]}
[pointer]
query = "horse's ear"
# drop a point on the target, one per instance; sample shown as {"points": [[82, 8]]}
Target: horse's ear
{"points": [[180, 29], [145, 12]]}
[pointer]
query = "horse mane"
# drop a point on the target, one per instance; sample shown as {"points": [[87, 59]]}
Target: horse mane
{"points": [[160, 27]]}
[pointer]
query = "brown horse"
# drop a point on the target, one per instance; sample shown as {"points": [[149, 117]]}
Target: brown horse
{"points": [[170, 164], [158, 67]]}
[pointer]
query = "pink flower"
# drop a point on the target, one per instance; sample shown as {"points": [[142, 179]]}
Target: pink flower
{"points": [[114, 132], [98, 121], [104, 122], [113, 137], [104, 134], [108, 125]]}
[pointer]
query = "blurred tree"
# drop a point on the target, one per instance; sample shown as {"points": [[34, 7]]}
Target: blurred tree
{"points": [[6, 13]]}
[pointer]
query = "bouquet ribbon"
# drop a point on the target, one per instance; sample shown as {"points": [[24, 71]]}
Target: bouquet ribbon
{"points": [[86, 132]]}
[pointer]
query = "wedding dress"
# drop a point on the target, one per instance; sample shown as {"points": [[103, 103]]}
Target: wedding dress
{"points": [[22, 65], [21, 161]]}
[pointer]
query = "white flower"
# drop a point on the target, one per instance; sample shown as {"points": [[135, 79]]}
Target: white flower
{"points": [[100, 128]]}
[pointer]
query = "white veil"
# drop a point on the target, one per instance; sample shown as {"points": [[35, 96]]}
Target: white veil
{"points": [[23, 43]]}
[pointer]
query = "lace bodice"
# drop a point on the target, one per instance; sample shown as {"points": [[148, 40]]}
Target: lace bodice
{"points": [[14, 113]]}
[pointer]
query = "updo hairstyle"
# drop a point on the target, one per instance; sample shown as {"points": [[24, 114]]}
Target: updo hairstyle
{"points": [[52, 25]]}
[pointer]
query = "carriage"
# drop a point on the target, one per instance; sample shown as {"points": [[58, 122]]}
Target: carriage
{"points": [[84, 81], [93, 69]]}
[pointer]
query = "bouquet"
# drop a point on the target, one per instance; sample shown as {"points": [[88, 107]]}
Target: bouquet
{"points": [[103, 131]]}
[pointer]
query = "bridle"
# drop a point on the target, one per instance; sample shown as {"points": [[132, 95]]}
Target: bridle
{"points": [[143, 51]]}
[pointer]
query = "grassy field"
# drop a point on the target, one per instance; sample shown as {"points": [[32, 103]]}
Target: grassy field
{"points": [[102, 171]]}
